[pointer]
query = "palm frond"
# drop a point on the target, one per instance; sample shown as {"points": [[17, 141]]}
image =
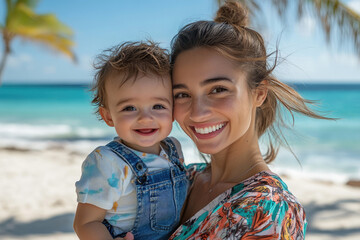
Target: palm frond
{"points": [[335, 18], [13, 6], [62, 45], [45, 28]]}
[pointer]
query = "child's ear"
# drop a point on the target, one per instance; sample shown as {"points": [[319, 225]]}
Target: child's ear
{"points": [[261, 93], [106, 116]]}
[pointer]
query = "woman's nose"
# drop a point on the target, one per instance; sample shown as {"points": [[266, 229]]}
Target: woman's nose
{"points": [[200, 110]]}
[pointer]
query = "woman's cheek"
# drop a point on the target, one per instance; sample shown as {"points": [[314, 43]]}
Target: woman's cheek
{"points": [[178, 110], [225, 104]]}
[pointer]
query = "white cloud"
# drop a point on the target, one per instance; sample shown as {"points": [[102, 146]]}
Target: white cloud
{"points": [[15, 61], [355, 5]]}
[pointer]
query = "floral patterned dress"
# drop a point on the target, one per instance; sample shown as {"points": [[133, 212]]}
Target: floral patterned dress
{"points": [[261, 207]]}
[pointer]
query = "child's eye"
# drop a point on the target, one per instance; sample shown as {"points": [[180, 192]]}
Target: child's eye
{"points": [[218, 90], [181, 95], [159, 106], [129, 108]]}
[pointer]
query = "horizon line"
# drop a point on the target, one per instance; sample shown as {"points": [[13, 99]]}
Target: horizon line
{"points": [[84, 82], [295, 85]]}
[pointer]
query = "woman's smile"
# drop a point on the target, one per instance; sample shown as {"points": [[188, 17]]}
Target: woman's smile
{"points": [[208, 131]]}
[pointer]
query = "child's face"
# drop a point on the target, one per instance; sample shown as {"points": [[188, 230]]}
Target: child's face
{"points": [[140, 110]]}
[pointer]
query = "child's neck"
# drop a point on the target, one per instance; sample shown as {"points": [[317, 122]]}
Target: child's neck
{"points": [[154, 149]]}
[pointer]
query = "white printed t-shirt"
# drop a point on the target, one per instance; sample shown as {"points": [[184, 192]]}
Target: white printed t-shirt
{"points": [[108, 183]]}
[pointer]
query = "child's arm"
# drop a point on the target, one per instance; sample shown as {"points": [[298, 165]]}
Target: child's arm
{"points": [[88, 223]]}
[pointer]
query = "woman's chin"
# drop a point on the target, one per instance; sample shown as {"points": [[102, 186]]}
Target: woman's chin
{"points": [[207, 148]]}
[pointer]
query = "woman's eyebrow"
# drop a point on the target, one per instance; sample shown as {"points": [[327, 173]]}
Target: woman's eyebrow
{"points": [[177, 86], [214, 80], [205, 82]]}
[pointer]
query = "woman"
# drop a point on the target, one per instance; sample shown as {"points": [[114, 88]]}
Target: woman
{"points": [[225, 99]]}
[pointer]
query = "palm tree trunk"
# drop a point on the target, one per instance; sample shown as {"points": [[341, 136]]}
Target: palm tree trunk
{"points": [[5, 55]]}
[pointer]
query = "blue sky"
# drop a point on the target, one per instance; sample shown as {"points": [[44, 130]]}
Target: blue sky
{"points": [[98, 25]]}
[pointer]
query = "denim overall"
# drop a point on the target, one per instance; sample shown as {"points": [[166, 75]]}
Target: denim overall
{"points": [[160, 194]]}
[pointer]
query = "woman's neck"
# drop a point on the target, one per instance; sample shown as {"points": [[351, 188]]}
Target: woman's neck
{"points": [[238, 161]]}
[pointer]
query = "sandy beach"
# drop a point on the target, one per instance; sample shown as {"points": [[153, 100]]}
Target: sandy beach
{"points": [[38, 198]]}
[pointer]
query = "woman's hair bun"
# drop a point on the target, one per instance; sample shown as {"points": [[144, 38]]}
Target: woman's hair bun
{"points": [[232, 13]]}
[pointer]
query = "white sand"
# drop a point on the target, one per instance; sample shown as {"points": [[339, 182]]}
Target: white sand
{"points": [[38, 200]]}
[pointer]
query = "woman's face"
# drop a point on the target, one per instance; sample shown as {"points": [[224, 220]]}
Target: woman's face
{"points": [[213, 103]]}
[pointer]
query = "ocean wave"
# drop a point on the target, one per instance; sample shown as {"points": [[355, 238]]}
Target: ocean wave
{"points": [[52, 132], [330, 163]]}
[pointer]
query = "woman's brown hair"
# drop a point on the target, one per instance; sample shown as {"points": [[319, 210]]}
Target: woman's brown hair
{"points": [[229, 35]]}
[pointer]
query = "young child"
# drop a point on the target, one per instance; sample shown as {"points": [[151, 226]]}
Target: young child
{"points": [[137, 182]]}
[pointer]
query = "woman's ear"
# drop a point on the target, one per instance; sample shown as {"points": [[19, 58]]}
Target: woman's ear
{"points": [[261, 93], [106, 116]]}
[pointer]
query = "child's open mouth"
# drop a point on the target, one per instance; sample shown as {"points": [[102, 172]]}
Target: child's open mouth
{"points": [[146, 131]]}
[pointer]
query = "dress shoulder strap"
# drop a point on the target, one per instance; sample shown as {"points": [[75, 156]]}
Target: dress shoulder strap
{"points": [[173, 153]]}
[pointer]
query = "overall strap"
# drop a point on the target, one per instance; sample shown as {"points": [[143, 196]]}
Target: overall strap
{"points": [[137, 166], [173, 154]]}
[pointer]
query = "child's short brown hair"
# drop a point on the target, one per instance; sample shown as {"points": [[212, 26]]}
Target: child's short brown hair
{"points": [[128, 59]]}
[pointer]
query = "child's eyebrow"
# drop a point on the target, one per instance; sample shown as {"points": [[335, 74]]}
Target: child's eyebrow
{"points": [[124, 101], [163, 99]]}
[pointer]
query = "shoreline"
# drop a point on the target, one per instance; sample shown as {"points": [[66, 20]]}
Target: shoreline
{"points": [[38, 199], [83, 148]]}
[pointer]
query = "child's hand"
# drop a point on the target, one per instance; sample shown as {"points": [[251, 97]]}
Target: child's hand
{"points": [[129, 236]]}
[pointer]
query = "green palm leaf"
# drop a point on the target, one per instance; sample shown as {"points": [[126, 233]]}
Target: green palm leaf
{"points": [[335, 18], [22, 21], [46, 28]]}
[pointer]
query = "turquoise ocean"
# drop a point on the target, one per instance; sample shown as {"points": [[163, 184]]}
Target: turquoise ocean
{"points": [[61, 116]]}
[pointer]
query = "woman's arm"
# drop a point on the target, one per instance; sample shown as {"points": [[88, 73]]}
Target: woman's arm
{"points": [[88, 223]]}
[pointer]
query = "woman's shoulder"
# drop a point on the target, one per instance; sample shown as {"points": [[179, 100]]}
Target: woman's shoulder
{"points": [[264, 185], [266, 191], [261, 207], [265, 198]]}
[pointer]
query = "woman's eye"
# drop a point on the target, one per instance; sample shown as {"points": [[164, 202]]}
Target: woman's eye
{"points": [[129, 109], [218, 90], [159, 106], [181, 95]]}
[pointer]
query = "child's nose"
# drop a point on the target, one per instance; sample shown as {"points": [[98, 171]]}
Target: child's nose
{"points": [[145, 116]]}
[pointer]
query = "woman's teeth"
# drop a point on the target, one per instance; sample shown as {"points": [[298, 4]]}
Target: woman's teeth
{"points": [[209, 129]]}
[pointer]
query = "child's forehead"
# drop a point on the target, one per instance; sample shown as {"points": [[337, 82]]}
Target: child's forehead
{"points": [[142, 89], [120, 79]]}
